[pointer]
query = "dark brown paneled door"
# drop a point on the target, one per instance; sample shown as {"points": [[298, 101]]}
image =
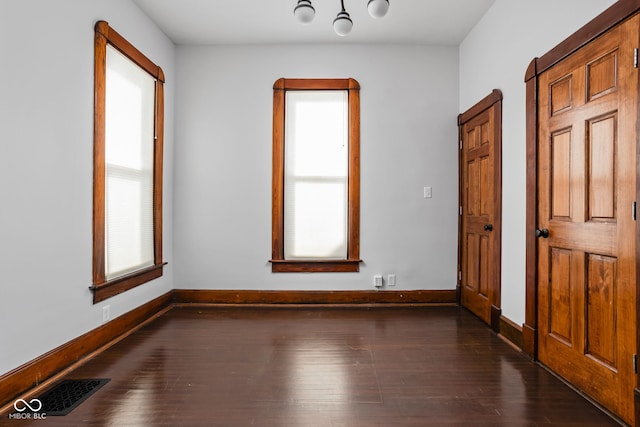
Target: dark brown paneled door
{"points": [[480, 188], [586, 193]]}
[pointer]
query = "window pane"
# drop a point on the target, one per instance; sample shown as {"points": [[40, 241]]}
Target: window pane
{"points": [[316, 175], [129, 139]]}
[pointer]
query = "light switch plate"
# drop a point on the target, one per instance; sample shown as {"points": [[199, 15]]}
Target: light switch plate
{"points": [[391, 280]]}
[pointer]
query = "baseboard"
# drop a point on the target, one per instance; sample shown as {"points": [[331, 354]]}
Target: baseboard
{"points": [[529, 341], [511, 332], [496, 315], [29, 375], [196, 296]]}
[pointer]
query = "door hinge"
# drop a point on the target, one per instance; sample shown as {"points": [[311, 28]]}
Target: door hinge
{"points": [[460, 210], [635, 58], [633, 210], [635, 363], [461, 140], [459, 276]]}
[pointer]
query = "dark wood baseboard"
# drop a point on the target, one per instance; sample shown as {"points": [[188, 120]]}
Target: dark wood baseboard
{"points": [[511, 332], [496, 314], [29, 375], [529, 341], [196, 296]]}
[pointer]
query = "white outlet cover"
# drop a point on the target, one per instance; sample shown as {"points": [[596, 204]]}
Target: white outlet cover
{"points": [[377, 280]]}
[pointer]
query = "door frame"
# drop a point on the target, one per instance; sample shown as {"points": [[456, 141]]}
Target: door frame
{"points": [[615, 14], [493, 100]]}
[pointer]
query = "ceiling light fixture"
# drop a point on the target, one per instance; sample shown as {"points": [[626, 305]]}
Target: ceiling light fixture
{"points": [[343, 24], [378, 8], [304, 11]]}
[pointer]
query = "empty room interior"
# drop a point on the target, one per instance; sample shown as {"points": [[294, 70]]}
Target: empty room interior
{"points": [[320, 213]]}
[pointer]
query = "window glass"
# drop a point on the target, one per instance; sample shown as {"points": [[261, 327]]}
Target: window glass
{"points": [[316, 175], [129, 136]]}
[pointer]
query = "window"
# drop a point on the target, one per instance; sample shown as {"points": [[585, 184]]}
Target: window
{"points": [[316, 176], [128, 142]]}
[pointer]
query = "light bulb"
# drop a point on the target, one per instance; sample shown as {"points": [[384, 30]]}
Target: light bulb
{"points": [[378, 8], [304, 11], [342, 24]]}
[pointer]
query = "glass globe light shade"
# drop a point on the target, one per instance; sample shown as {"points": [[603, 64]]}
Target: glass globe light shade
{"points": [[304, 11], [342, 24], [378, 8]]}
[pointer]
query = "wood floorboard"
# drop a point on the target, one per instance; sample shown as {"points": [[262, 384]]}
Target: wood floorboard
{"points": [[312, 366]]}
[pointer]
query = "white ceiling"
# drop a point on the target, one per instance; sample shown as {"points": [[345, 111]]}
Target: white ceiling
{"points": [[200, 22]]}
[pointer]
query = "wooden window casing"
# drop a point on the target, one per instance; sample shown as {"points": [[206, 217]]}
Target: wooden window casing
{"points": [[352, 262], [103, 288]]}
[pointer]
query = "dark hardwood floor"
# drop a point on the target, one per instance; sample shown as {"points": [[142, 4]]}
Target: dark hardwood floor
{"points": [[224, 366]]}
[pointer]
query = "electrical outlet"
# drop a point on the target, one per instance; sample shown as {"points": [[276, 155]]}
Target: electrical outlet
{"points": [[106, 313], [377, 280], [391, 280], [427, 192]]}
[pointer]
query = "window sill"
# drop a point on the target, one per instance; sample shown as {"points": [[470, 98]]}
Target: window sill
{"points": [[309, 266], [114, 287]]}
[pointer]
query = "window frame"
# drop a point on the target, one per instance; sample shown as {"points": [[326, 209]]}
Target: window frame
{"points": [[103, 288], [278, 262]]}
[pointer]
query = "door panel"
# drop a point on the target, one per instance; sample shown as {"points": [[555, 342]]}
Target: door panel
{"points": [[586, 188], [602, 166], [560, 295], [601, 310], [560, 175]]}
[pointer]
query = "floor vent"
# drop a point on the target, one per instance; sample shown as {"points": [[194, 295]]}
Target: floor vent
{"points": [[67, 395]]}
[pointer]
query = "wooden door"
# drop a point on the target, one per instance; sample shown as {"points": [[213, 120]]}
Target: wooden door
{"points": [[480, 225], [586, 193]]}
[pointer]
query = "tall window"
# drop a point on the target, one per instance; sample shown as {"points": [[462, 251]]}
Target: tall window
{"points": [[316, 175], [128, 139]]}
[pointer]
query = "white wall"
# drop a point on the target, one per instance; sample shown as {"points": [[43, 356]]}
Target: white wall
{"points": [[409, 103], [46, 164], [496, 54]]}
